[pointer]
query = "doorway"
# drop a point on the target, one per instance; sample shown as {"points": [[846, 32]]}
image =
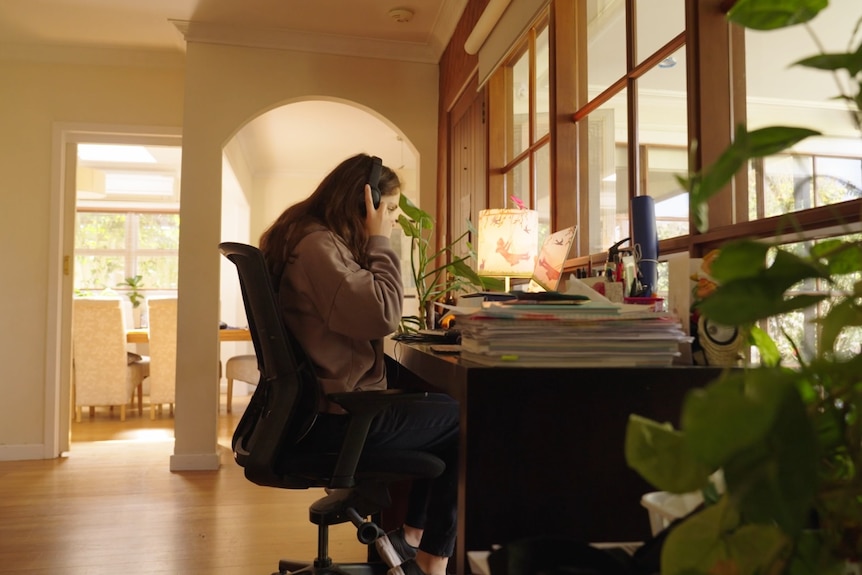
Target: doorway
{"points": [[112, 186]]}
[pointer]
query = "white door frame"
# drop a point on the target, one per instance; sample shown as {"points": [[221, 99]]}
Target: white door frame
{"points": [[61, 249]]}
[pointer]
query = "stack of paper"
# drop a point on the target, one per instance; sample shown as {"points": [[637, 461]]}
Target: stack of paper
{"points": [[570, 335]]}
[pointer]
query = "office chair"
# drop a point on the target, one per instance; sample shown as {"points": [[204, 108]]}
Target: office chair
{"points": [[282, 410]]}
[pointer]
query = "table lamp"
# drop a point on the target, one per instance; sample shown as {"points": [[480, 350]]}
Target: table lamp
{"points": [[508, 243]]}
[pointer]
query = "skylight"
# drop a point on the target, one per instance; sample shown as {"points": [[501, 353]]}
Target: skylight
{"points": [[115, 153]]}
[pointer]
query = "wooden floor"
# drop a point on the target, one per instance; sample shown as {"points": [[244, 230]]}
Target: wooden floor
{"points": [[112, 506]]}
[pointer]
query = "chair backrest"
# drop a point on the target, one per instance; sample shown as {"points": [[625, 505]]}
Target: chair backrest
{"points": [[285, 402], [99, 352], [162, 317]]}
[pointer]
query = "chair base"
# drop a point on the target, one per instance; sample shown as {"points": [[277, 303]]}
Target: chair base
{"points": [[286, 567]]}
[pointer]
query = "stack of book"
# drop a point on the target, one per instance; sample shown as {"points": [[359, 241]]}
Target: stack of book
{"points": [[570, 334]]}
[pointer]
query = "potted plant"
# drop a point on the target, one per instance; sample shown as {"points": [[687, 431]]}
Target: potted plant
{"points": [[787, 438], [435, 273], [133, 284]]}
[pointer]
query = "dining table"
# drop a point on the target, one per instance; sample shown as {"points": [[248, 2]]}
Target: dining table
{"points": [[142, 334]]}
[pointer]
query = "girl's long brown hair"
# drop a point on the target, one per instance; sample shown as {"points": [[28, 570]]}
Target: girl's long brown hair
{"points": [[338, 204]]}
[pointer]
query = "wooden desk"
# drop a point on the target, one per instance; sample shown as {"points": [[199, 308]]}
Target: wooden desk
{"points": [[142, 335], [542, 449]]}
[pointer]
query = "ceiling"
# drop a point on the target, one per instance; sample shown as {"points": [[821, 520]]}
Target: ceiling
{"points": [[367, 27], [377, 28]]}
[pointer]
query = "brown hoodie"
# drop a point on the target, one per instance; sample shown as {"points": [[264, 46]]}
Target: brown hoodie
{"points": [[339, 311]]}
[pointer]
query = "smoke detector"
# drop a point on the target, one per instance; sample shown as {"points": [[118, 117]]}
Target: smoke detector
{"points": [[401, 15]]}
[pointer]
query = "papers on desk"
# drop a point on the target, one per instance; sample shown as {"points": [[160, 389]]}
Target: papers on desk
{"points": [[591, 334]]}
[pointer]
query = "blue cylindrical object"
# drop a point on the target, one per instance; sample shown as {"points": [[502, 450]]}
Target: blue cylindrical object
{"points": [[645, 242]]}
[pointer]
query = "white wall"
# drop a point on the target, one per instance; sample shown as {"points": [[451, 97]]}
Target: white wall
{"points": [[35, 96]]}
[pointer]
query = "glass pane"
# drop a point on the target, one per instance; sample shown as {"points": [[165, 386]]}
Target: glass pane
{"points": [[543, 88], [606, 44], [608, 174], [518, 184], [663, 132], [159, 272], [543, 190], [98, 272], [159, 231], [658, 22], [519, 106], [801, 327], [787, 184], [671, 201], [837, 180], [780, 93], [100, 231]]}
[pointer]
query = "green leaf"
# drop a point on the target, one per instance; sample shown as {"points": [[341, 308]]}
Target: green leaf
{"points": [[840, 257], [713, 541], [774, 139], [748, 300], [459, 268], [844, 314], [773, 14], [775, 478], [724, 418], [658, 453], [739, 259], [832, 62], [748, 291], [410, 209], [409, 228], [770, 355]]}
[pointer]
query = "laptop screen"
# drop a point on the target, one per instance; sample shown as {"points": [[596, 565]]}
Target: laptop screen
{"points": [[549, 265]]}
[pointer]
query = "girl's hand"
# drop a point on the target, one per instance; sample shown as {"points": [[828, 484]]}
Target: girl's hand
{"points": [[379, 221]]}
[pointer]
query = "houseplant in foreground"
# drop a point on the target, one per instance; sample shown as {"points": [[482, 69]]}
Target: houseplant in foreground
{"points": [[787, 439], [435, 272]]}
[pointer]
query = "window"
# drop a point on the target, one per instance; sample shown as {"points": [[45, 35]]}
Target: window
{"points": [[637, 99], [819, 171], [634, 114], [111, 246], [520, 164], [127, 216]]}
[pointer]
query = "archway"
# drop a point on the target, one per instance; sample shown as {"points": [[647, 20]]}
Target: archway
{"points": [[279, 157]]}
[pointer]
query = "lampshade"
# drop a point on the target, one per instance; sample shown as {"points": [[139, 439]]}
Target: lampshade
{"points": [[508, 242]]}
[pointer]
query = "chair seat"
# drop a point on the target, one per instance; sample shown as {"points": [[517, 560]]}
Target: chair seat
{"points": [[243, 368], [315, 469]]}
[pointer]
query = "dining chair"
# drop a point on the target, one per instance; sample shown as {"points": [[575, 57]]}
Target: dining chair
{"points": [[103, 372], [242, 368], [162, 383]]}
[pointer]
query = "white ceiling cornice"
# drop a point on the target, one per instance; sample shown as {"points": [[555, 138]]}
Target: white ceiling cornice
{"points": [[303, 41]]}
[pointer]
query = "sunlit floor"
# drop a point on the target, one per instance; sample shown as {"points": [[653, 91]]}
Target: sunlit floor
{"points": [[111, 505]]}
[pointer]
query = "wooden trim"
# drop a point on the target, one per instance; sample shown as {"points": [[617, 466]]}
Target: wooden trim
{"points": [[563, 100]]}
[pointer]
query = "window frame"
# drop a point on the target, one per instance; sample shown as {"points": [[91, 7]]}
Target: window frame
{"points": [[131, 251], [715, 48]]}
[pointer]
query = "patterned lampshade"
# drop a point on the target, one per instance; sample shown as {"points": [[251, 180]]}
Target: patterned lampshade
{"points": [[508, 242]]}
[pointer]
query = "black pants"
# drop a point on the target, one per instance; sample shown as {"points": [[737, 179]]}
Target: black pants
{"points": [[431, 425]]}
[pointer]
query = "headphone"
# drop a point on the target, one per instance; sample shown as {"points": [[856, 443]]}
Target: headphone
{"points": [[374, 182]]}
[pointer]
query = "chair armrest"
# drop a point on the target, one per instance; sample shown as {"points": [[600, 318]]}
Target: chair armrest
{"points": [[362, 407]]}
